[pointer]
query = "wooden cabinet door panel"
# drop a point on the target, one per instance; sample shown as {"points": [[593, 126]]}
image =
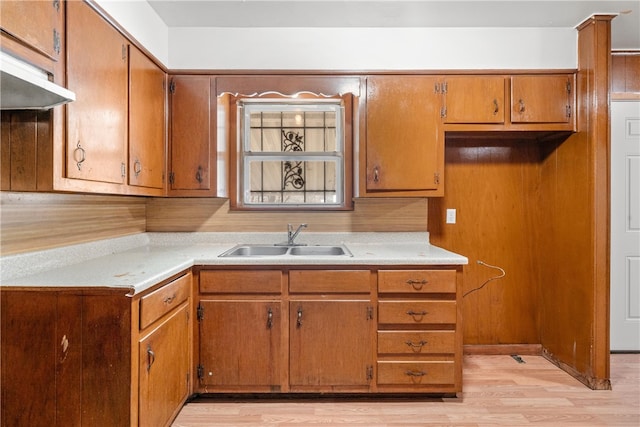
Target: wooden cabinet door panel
{"points": [[97, 71], [402, 137], [240, 343], [36, 23], [541, 99], [147, 124], [191, 133], [164, 369], [330, 343], [474, 99]]}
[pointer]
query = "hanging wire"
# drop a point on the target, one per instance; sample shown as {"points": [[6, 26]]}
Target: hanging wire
{"points": [[500, 276]]}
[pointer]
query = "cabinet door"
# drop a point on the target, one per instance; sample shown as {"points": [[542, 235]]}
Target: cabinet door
{"points": [[541, 99], [147, 124], [473, 99], [164, 370], [404, 149], [97, 69], [192, 139], [36, 23], [240, 344], [330, 343]]}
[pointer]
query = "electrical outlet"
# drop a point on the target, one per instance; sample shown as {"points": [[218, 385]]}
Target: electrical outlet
{"points": [[451, 216]]}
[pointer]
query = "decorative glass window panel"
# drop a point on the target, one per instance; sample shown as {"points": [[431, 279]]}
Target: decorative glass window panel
{"points": [[292, 153]]}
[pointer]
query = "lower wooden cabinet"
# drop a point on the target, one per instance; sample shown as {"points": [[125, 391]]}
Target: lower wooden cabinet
{"points": [[80, 357], [329, 330]]}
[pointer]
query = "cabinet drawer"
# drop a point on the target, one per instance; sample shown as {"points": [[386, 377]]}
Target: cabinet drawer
{"points": [[416, 342], [416, 373], [417, 281], [416, 312], [336, 281], [241, 281], [163, 300]]}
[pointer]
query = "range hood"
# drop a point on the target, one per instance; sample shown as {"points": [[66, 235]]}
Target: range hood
{"points": [[23, 87]]}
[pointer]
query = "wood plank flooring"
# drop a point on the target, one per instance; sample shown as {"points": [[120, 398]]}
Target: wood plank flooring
{"points": [[498, 391]]}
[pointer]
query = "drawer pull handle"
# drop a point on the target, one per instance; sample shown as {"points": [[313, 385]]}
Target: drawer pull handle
{"points": [[416, 376], [151, 357], [169, 300], [416, 347], [417, 315], [417, 284], [269, 318]]}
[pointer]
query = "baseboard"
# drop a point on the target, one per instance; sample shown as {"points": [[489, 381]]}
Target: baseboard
{"points": [[503, 349], [591, 382]]}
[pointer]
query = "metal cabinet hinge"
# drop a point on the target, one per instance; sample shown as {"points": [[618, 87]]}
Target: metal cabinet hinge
{"points": [[569, 86], [200, 312], [443, 112], [445, 87], [369, 372], [172, 87], [568, 108], [172, 178], [123, 169], [369, 313], [200, 371], [124, 52], [436, 178], [56, 41]]}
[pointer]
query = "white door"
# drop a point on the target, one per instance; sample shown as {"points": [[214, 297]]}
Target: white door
{"points": [[625, 226]]}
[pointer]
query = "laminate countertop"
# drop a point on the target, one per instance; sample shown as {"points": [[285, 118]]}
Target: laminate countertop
{"points": [[136, 263]]}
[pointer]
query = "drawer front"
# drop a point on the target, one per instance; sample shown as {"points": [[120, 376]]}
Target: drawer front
{"points": [[163, 300], [241, 281], [335, 281], [416, 312], [417, 281], [416, 373], [416, 342]]}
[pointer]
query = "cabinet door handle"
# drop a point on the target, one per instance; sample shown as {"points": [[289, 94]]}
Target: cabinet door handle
{"points": [[137, 167], [417, 315], [199, 174], [376, 175], [269, 318], [299, 320], [416, 347], [521, 103], [417, 284], [79, 155], [151, 357], [496, 107]]}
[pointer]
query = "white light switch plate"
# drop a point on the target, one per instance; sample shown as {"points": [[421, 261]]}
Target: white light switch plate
{"points": [[451, 216]]}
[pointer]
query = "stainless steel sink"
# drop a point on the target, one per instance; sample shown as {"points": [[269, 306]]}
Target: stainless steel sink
{"points": [[244, 251]]}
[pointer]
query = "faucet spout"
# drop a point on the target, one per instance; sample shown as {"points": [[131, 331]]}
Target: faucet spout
{"points": [[291, 235]]}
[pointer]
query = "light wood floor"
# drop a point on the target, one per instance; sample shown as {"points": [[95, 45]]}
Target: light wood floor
{"points": [[498, 391]]}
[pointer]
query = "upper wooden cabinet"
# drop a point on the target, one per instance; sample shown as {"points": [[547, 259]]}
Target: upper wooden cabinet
{"points": [[542, 98], [35, 24], [97, 71], [473, 99], [404, 151], [193, 126], [147, 123]]}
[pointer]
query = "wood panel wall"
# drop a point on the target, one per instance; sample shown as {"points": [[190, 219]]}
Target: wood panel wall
{"points": [[35, 221], [494, 186], [625, 74], [196, 214]]}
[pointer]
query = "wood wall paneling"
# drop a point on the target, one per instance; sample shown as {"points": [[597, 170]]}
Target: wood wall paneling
{"points": [[625, 72], [35, 221], [195, 214]]}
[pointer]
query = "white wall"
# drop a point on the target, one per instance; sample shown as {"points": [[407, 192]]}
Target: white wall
{"points": [[345, 48]]}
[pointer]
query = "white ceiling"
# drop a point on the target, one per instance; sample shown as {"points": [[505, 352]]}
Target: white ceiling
{"points": [[401, 13]]}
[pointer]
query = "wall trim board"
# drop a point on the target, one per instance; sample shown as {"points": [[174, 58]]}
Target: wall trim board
{"points": [[504, 349]]}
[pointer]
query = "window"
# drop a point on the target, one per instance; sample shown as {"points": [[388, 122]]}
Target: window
{"points": [[291, 153]]}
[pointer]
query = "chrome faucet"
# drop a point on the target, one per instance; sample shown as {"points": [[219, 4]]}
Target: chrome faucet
{"points": [[291, 235]]}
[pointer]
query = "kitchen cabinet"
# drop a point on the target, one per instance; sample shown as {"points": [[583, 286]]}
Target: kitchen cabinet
{"points": [[97, 71], [37, 25], [81, 356], [147, 121], [240, 331], [473, 99], [404, 151], [193, 152], [419, 344], [330, 330], [542, 98]]}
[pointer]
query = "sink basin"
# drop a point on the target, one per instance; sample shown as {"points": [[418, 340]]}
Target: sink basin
{"points": [[318, 250], [255, 250], [245, 251]]}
